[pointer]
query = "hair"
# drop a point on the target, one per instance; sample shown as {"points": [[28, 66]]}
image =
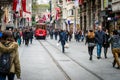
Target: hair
{"points": [[91, 34], [7, 35], [115, 32]]}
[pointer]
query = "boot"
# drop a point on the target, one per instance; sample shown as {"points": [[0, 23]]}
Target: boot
{"points": [[114, 62], [105, 55], [90, 58]]}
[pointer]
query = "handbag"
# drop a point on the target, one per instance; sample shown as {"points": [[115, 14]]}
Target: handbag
{"points": [[58, 44], [91, 44], [66, 45]]}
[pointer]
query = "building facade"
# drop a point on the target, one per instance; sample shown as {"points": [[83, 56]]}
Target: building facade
{"points": [[89, 14]]}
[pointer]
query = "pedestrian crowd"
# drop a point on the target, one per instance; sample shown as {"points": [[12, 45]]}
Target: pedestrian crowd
{"points": [[24, 35], [94, 38], [101, 38]]}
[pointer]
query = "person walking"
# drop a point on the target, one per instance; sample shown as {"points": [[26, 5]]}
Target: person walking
{"points": [[31, 35], [27, 36], [9, 47], [90, 39], [99, 36], [115, 47], [62, 39], [106, 43]]}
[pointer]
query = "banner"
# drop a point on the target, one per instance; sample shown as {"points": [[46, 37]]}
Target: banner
{"points": [[24, 5]]}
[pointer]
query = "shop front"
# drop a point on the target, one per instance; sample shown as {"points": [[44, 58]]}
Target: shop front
{"points": [[116, 11]]}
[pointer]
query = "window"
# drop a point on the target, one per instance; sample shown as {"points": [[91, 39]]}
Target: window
{"points": [[70, 12]]}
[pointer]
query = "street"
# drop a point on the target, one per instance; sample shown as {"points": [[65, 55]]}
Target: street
{"points": [[43, 60]]}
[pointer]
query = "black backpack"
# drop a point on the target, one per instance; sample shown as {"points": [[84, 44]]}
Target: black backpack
{"points": [[5, 63]]}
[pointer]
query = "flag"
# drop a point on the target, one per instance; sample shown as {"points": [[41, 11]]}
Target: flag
{"points": [[24, 5], [81, 2], [5, 19], [14, 5], [57, 13], [28, 19], [21, 13], [44, 18]]}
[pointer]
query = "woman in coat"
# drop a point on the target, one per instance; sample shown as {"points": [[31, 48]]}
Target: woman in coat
{"points": [[12, 49], [106, 43], [90, 39]]}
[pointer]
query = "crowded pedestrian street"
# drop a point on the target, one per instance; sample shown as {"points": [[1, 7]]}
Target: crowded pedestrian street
{"points": [[59, 39], [43, 60]]}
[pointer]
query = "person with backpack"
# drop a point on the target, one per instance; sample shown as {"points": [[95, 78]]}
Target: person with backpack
{"points": [[9, 57], [115, 46], [63, 39]]}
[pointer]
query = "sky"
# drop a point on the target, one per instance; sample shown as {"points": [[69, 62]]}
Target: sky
{"points": [[43, 1]]}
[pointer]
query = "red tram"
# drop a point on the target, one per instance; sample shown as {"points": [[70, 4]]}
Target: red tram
{"points": [[40, 31]]}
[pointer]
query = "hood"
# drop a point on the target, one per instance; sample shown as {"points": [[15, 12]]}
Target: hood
{"points": [[8, 46]]}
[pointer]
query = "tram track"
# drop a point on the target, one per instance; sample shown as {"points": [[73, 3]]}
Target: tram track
{"points": [[57, 64], [88, 70]]}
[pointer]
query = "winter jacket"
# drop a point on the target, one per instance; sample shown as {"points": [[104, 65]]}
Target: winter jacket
{"points": [[63, 38], [99, 37], [14, 56]]}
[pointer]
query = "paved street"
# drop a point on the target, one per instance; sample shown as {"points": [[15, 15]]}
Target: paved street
{"points": [[43, 60]]}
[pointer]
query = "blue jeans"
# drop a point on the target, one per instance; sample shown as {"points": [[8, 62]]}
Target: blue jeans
{"points": [[10, 76], [31, 40], [63, 44], [99, 48]]}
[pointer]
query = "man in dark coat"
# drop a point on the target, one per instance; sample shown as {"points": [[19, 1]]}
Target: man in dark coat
{"points": [[99, 37], [63, 39]]}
